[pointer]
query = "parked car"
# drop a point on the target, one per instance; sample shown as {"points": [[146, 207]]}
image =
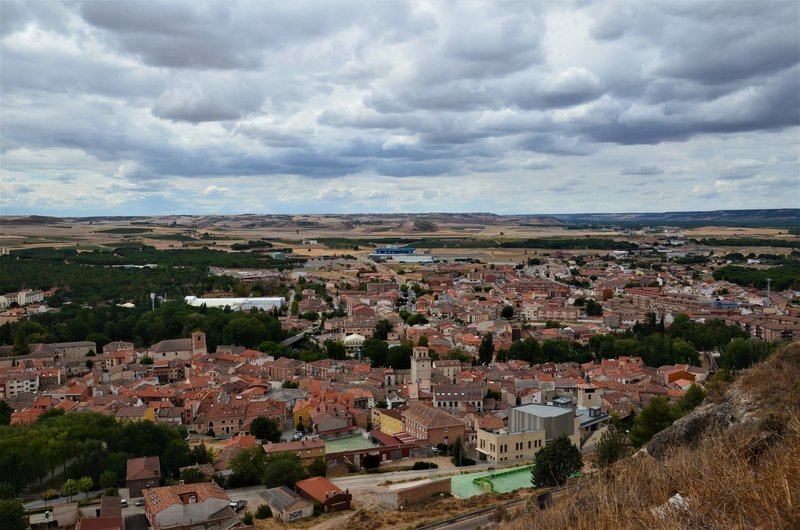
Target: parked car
{"points": [[140, 502], [297, 435], [123, 503]]}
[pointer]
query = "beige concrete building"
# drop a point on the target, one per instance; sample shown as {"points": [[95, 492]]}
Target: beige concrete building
{"points": [[500, 447]]}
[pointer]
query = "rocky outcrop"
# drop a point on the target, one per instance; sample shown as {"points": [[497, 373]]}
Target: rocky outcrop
{"points": [[706, 419], [752, 399]]}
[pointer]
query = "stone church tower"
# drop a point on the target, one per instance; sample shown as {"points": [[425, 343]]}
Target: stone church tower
{"points": [[420, 365]]}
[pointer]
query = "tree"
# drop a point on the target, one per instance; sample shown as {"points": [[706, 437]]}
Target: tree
{"points": [[593, 309], [192, 475], [334, 349], [108, 479], [555, 462], [611, 447], [12, 515], [415, 319], [265, 429], [290, 384], [283, 469], [318, 468], [377, 351], [423, 341], [200, 454], [85, 485], [459, 454], [5, 413], [371, 461], [21, 346], [486, 349], [507, 312], [7, 490], [694, 396], [399, 357], [69, 488], [382, 329], [247, 467], [654, 418]]}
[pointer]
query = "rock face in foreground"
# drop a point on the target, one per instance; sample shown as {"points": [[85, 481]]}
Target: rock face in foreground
{"points": [[751, 399]]}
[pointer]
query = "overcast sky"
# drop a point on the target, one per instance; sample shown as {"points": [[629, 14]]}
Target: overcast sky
{"points": [[129, 108]]}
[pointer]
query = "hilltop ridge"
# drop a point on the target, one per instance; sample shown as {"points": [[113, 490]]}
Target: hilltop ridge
{"points": [[734, 462]]}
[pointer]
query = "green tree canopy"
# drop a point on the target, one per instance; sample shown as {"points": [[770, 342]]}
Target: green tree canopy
{"points": [[377, 351], [265, 429], [12, 515], [611, 447], [694, 395], [247, 467], [382, 329], [654, 418], [334, 349], [486, 349], [5, 413], [283, 469], [555, 462], [318, 468]]}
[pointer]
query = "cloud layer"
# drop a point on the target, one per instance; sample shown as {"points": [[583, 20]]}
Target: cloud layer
{"points": [[513, 107]]}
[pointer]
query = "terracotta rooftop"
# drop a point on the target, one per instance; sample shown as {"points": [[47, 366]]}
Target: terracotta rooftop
{"points": [[159, 499], [143, 468], [317, 487], [430, 417]]}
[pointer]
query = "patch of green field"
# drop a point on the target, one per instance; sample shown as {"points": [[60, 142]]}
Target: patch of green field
{"points": [[125, 230]]}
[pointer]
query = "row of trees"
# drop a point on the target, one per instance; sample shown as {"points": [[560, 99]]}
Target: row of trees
{"points": [[144, 327]]}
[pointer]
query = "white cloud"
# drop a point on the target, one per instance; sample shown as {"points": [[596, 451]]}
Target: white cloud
{"points": [[315, 106]]}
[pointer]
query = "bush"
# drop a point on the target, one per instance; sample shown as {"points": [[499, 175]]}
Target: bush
{"points": [[263, 512], [611, 447], [424, 465], [247, 518]]}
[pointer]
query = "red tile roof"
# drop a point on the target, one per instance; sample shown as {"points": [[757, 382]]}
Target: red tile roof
{"points": [[317, 487]]}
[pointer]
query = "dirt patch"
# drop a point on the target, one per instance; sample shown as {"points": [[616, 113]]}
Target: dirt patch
{"points": [[424, 513]]}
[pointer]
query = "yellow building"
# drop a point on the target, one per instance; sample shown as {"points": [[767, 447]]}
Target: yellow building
{"points": [[392, 421], [302, 410]]}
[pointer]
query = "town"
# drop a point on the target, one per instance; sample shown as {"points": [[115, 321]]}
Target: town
{"points": [[335, 377]]}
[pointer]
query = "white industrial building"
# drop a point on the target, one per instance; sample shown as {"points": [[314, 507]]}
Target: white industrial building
{"points": [[239, 304]]}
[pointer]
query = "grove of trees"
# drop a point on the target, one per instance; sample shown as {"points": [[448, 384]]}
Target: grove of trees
{"points": [[85, 444]]}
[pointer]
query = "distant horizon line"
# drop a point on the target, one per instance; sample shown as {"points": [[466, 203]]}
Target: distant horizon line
{"points": [[72, 216]]}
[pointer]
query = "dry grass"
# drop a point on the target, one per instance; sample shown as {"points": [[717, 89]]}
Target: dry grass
{"points": [[423, 513], [745, 477]]}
